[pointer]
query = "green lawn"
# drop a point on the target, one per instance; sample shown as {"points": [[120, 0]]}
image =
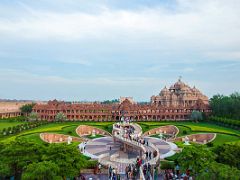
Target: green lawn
{"points": [[225, 138], [9, 124], [224, 135], [32, 137], [69, 128], [190, 127]]}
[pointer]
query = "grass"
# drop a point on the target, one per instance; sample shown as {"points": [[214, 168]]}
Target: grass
{"points": [[225, 138], [190, 127], [69, 128], [9, 124], [224, 134], [32, 137]]}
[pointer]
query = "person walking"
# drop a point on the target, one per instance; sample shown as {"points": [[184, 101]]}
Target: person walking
{"points": [[99, 168], [110, 172]]}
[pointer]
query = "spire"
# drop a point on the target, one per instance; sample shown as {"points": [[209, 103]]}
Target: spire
{"points": [[179, 78]]}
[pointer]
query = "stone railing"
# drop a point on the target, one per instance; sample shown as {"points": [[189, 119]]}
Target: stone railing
{"points": [[130, 142], [115, 158], [156, 159], [105, 162], [137, 126]]}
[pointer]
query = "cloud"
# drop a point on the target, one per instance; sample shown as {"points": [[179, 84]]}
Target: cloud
{"points": [[233, 55], [18, 76], [195, 22], [76, 61], [136, 48]]}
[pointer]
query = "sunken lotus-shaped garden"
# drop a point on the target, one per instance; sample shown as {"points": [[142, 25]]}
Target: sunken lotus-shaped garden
{"points": [[127, 143]]}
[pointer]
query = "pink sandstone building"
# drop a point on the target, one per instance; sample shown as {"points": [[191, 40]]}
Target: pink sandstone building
{"points": [[175, 103]]}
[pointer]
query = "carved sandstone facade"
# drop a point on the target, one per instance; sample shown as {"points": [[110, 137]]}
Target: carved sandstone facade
{"points": [[179, 94], [172, 104]]}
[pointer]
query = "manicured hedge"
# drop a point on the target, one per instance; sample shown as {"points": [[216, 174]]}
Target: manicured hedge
{"points": [[226, 122], [22, 127]]}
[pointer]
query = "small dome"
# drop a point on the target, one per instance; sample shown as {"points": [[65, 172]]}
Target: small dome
{"points": [[172, 87], [164, 91], [179, 84]]}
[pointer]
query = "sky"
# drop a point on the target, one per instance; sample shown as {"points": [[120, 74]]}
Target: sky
{"points": [[79, 50]]}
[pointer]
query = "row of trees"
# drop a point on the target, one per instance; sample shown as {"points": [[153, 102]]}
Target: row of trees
{"points": [[221, 162], [225, 122], [21, 127], [28, 160], [226, 106], [32, 123], [111, 101]]}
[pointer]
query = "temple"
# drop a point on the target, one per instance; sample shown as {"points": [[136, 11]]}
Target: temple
{"points": [[179, 95], [175, 103]]}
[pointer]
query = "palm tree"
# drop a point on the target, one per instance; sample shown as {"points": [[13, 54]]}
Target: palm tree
{"points": [[196, 115], [60, 117], [33, 116]]}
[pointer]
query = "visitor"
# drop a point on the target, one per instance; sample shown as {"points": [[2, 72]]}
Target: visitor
{"points": [[114, 174], [99, 168], [110, 172], [126, 171], [118, 177], [150, 155], [177, 170]]}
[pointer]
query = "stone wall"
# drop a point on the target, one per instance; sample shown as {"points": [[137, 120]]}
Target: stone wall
{"points": [[57, 138], [84, 130], [170, 129], [201, 138]]}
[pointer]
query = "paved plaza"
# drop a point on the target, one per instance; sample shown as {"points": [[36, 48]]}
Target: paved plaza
{"points": [[102, 145], [125, 147]]}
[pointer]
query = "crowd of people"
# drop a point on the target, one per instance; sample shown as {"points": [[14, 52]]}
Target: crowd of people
{"points": [[147, 170], [169, 174], [132, 170], [112, 174]]}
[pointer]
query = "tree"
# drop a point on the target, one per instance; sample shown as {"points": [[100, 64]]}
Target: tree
{"points": [[196, 115], [228, 154], [46, 170], [60, 117], [217, 171], [4, 131], [18, 154], [29, 160], [111, 101], [195, 157], [33, 116], [226, 106], [67, 157], [27, 108]]}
